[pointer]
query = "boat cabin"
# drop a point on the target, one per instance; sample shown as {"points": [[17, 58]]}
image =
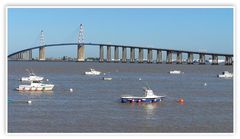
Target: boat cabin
{"points": [[36, 81], [148, 93]]}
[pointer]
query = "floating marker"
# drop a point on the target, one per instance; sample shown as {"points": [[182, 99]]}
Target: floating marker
{"points": [[47, 80], [29, 102], [180, 100], [205, 84], [140, 79], [71, 90]]}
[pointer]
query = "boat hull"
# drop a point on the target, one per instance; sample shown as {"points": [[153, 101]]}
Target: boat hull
{"points": [[29, 88], [175, 72], [139, 100], [107, 79], [225, 76], [90, 73]]}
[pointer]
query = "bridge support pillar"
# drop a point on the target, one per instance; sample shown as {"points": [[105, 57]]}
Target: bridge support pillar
{"points": [[101, 54], [140, 55], [190, 58], [149, 56], [179, 57], [214, 60], [132, 55], [116, 54], [41, 53], [159, 56], [21, 56], [17, 56], [30, 55], [124, 54], [80, 53], [228, 60], [201, 59], [108, 54], [169, 57]]}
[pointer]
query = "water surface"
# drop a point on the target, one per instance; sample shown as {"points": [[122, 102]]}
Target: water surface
{"points": [[94, 104]]}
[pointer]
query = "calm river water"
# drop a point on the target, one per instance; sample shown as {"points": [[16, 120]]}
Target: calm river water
{"points": [[94, 105]]}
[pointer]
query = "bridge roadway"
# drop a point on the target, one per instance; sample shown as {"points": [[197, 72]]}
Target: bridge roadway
{"points": [[228, 57]]}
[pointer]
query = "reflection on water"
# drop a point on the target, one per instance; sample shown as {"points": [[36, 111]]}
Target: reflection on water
{"points": [[149, 109], [36, 93]]}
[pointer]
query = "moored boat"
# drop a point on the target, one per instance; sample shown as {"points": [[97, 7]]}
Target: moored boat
{"points": [[35, 86], [175, 72], [92, 72], [225, 74], [148, 97], [107, 78]]}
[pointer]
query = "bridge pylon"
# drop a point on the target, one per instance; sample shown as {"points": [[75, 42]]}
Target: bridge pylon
{"points": [[80, 47], [42, 49]]}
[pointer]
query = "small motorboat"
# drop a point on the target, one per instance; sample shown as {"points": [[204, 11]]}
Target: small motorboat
{"points": [[225, 74], [175, 72], [19, 101], [32, 77], [35, 86], [148, 97], [92, 72], [107, 78]]}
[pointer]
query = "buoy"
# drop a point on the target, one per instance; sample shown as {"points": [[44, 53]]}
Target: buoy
{"points": [[140, 79], [205, 84], [29, 101], [180, 100], [71, 90], [47, 80]]}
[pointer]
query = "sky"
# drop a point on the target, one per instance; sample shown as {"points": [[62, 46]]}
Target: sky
{"points": [[196, 29]]}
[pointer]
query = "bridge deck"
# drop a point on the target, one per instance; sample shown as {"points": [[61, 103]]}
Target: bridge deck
{"points": [[125, 46]]}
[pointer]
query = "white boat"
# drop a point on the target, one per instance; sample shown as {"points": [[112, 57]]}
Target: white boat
{"points": [[32, 77], [175, 72], [92, 72], [35, 86], [148, 97], [225, 74], [107, 78]]}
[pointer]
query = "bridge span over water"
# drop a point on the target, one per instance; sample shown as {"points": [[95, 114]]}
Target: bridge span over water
{"points": [[20, 55]]}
